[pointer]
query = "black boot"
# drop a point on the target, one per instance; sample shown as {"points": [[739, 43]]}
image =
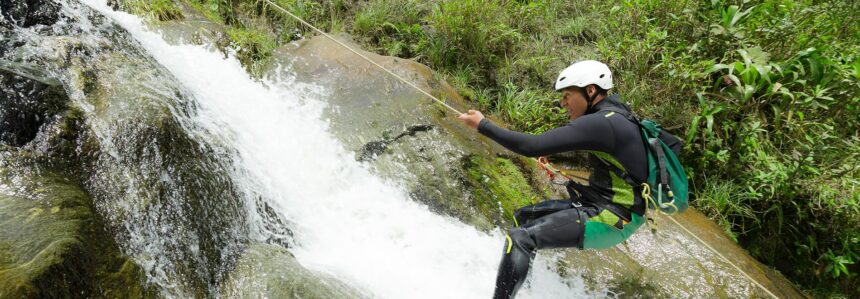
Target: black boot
{"points": [[517, 256]]}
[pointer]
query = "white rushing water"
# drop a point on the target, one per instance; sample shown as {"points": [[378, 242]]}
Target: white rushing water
{"points": [[347, 221]]}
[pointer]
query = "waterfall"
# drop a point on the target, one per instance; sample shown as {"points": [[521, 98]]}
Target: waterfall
{"points": [[346, 221]]}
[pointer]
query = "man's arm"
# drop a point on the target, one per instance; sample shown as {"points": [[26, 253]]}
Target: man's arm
{"points": [[586, 133]]}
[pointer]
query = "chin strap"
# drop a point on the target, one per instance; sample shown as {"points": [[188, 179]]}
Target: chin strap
{"points": [[589, 99]]}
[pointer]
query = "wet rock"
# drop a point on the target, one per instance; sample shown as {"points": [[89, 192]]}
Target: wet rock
{"points": [[25, 105], [52, 244], [368, 111], [280, 234], [195, 28], [673, 264], [166, 194], [373, 149], [28, 13], [267, 271]]}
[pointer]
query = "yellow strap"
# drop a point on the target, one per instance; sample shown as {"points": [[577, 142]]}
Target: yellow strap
{"points": [[510, 243], [646, 194]]}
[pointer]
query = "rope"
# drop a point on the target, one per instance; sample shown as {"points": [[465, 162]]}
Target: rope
{"points": [[646, 193], [362, 56], [724, 258], [543, 164], [552, 171]]}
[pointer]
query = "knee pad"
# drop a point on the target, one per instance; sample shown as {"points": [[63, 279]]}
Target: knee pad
{"points": [[520, 239]]}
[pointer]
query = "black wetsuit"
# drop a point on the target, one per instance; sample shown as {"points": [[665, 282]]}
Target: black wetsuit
{"points": [[617, 157]]}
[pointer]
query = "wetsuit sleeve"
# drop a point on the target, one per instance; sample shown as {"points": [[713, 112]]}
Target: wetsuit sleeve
{"points": [[587, 133]]}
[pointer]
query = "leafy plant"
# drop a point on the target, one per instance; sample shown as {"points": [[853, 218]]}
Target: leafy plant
{"points": [[394, 25], [730, 18]]}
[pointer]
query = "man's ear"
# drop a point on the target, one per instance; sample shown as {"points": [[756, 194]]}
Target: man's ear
{"points": [[590, 90]]}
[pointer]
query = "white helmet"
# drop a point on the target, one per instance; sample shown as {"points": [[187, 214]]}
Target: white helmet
{"points": [[584, 73]]}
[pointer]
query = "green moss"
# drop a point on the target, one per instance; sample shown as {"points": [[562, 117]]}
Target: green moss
{"points": [[124, 281], [500, 187], [6, 256], [254, 46], [52, 244]]}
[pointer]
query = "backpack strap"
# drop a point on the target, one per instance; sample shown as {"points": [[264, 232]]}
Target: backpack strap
{"points": [[621, 212], [652, 143], [626, 112], [635, 120]]}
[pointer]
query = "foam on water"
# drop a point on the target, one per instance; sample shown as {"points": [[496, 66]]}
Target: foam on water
{"points": [[347, 221]]}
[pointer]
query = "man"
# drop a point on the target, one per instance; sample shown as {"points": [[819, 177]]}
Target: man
{"points": [[600, 215]]}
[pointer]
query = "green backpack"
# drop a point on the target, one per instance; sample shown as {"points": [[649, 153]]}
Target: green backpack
{"points": [[666, 176], [666, 187]]}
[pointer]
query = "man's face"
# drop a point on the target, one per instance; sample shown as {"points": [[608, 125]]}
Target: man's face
{"points": [[573, 101]]}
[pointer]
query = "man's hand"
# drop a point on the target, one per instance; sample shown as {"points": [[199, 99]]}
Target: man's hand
{"points": [[472, 118]]}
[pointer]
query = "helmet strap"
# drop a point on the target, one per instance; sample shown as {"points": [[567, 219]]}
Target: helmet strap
{"points": [[588, 99]]}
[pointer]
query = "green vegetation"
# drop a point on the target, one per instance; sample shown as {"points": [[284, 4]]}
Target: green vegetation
{"points": [[393, 26], [725, 200], [765, 93], [161, 10], [253, 45]]}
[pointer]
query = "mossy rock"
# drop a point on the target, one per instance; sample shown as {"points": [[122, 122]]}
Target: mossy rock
{"points": [[179, 22], [52, 244], [128, 137], [154, 10], [500, 187], [267, 271]]}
